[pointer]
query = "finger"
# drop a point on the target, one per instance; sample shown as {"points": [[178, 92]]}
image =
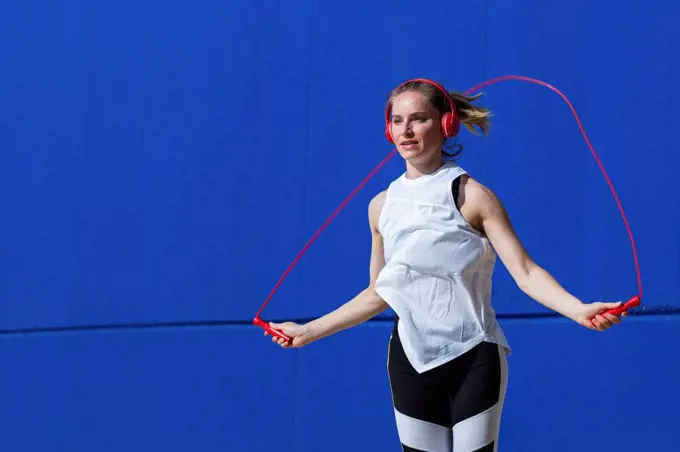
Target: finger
{"points": [[603, 321], [596, 323], [614, 305], [612, 318]]}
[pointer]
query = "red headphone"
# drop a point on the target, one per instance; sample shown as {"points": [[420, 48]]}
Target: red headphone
{"points": [[450, 120]]}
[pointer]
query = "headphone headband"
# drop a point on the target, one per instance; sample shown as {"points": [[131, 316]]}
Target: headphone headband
{"points": [[429, 82], [450, 123]]}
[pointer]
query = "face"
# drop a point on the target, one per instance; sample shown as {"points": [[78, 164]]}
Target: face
{"points": [[416, 127]]}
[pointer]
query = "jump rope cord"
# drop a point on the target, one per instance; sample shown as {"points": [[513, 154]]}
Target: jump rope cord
{"points": [[394, 151]]}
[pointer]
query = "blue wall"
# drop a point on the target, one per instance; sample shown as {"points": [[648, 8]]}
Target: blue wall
{"points": [[163, 162]]}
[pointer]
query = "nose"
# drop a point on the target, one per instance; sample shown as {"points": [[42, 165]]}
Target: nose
{"points": [[408, 130]]}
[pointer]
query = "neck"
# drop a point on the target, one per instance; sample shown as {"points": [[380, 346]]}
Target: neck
{"points": [[414, 170]]}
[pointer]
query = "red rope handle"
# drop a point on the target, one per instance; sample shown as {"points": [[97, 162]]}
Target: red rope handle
{"points": [[634, 301]]}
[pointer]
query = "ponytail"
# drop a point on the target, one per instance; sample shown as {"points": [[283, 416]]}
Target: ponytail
{"points": [[471, 116]]}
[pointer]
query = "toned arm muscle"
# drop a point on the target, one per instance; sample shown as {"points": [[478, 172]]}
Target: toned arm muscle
{"points": [[491, 218]]}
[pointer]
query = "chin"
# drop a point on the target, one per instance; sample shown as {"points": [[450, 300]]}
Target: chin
{"points": [[411, 154], [416, 157]]}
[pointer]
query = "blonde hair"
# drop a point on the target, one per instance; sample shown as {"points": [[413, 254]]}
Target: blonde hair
{"points": [[474, 118], [471, 116]]}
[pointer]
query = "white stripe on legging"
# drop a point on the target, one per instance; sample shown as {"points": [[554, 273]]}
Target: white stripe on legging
{"points": [[480, 430], [423, 435]]}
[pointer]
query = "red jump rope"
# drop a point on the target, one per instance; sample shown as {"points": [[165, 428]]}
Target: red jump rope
{"points": [[450, 127]]}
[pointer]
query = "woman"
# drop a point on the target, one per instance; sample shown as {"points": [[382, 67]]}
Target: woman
{"points": [[436, 232]]}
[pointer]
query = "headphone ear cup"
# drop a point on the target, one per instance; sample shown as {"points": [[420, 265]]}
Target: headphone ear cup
{"points": [[447, 125], [450, 125], [388, 133]]}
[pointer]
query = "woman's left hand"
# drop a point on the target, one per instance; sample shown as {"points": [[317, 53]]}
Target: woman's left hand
{"points": [[593, 315]]}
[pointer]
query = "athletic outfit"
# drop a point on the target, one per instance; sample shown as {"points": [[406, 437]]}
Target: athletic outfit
{"points": [[447, 355]]}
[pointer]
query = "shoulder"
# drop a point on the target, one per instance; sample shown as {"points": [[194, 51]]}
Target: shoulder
{"points": [[478, 202], [375, 208], [475, 192]]}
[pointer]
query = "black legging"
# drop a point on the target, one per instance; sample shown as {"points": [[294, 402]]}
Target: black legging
{"points": [[456, 406]]}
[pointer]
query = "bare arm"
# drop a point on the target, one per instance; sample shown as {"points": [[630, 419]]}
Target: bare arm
{"points": [[532, 279], [362, 307]]}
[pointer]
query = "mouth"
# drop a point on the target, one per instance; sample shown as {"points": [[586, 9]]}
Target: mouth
{"points": [[409, 142]]}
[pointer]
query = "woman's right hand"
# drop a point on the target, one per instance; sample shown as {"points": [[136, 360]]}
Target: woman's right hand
{"points": [[297, 333]]}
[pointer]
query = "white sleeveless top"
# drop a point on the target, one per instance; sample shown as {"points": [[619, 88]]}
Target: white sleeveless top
{"points": [[438, 271]]}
